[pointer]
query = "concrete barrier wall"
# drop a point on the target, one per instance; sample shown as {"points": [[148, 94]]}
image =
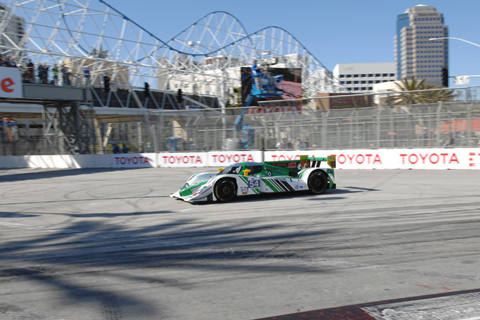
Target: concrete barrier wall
{"points": [[346, 159], [394, 158]]}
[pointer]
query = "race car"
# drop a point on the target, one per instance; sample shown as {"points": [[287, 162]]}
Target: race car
{"points": [[251, 178]]}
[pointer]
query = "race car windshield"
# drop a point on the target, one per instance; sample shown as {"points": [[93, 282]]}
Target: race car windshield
{"points": [[232, 169], [196, 179]]}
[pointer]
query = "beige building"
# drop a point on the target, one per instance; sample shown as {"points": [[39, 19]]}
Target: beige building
{"points": [[361, 77], [416, 55]]}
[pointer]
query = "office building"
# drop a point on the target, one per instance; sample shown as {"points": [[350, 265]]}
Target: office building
{"points": [[417, 56], [360, 77], [13, 29]]}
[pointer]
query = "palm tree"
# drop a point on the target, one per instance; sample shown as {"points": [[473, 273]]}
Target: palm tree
{"points": [[414, 91], [407, 88]]}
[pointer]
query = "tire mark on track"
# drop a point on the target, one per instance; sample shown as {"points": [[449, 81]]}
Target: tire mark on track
{"points": [[314, 218]]}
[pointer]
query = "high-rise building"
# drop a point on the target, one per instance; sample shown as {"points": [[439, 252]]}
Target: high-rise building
{"points": [[361, 77], [12, 27], [416, 55]]}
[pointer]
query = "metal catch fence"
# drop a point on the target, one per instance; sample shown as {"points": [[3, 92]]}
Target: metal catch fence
{"points": [[452, 124]]}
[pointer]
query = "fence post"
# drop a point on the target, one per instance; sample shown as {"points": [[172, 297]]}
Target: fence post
{"points": [[439, 132]]}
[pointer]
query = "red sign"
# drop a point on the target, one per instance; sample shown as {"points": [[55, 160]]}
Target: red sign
{"points": [[220, 159], [275, 109], [429, 158], [10, 83], [367, 158], [182, 159], [6, 85], [132, 160]]}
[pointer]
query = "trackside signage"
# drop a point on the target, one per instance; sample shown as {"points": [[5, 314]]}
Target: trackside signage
{"points": [[134, 160], [393, 159], [10, 83], [468, 158], [226, 158], [275, 109], [182, 159]]}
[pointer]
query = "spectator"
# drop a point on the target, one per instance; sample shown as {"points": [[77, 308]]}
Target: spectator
{"points": [[116, 149], [149, 147], [40, 73], [450, 140], [281, 144], [30, 71], [299, 145], [290, 144], [86, 76], [43, 73], [125, 149], [55, 74], [64, 72], [307, 143]]}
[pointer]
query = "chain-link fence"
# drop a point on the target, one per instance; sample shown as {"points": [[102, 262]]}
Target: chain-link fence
{"points": [[455, 124], [452, 124]]}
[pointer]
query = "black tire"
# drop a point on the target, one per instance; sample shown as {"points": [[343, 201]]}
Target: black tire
{"points": [[317, 182], [225, 190]]}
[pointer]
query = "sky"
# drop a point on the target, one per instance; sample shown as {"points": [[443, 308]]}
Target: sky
{"points": [[334, 31]]}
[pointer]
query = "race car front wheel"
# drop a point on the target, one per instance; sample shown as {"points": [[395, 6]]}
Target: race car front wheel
{"points": [[317, 182], [225, 190]]}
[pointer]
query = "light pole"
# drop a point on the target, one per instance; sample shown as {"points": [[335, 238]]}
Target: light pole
{"points": [[444, 38], [459, 80]]}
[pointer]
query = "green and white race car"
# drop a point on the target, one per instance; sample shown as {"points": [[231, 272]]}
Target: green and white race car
{"points": [[250, 178]]}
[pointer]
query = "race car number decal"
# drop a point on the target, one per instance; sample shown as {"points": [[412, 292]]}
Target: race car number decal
{"points": [[254, 183]]}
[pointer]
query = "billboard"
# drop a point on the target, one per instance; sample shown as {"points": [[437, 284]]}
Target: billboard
{"points": [[342, 100], [288, 80]]}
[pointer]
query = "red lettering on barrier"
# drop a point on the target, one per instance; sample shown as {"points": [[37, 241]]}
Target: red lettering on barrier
{"points": [[410, 158], [429, 158], [132, 160], [423, 157], [184, 159], [222, 158], [359, 158], [454, 158], [360, 161], [274, 109], [6, 84]]}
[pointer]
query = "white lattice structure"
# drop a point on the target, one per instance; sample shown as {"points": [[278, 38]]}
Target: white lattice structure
{"points": [[93, 34]]}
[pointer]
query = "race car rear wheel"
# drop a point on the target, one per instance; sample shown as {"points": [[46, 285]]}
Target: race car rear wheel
{"points": [[225, 190], [317, 182]]}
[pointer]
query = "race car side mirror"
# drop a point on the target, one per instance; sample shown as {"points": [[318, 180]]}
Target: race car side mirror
{"points": [[246, 172], [220, 169]]}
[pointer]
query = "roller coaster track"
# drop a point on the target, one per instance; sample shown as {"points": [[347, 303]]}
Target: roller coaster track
{"points": [[208, 53]]}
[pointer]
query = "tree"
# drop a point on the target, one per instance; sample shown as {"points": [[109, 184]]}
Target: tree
{"points": [[413, 91]]}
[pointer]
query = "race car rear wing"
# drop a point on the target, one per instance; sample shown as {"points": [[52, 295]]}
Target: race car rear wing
{"points": [[304, 162], [316, 161]]}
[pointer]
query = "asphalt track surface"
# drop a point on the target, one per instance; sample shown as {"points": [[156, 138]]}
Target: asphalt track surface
{"points": [[112, 244]]}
